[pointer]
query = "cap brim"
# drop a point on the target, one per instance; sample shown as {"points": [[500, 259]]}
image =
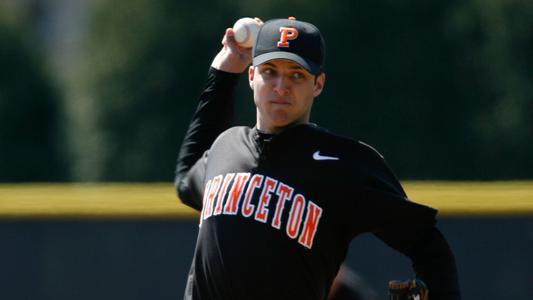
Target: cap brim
{"points": [[309, 66]]}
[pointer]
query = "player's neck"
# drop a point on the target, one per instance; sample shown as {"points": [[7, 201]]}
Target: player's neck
{"points": [[273, 130], [268, 127]]}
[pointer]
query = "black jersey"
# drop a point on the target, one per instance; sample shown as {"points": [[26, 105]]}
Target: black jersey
{"points": [[278, 212]]}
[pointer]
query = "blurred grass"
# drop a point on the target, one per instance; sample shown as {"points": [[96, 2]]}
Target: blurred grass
{"points": [[158, 200]]}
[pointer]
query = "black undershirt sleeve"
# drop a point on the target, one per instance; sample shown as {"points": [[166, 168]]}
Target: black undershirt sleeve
{"points": [[213, 115]]}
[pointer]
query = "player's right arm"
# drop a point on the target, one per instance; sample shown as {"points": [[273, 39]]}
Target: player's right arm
{"points": [[213, 115]]}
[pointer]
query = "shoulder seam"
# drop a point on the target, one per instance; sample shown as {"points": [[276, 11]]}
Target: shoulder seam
{"points": [[371, 148]]}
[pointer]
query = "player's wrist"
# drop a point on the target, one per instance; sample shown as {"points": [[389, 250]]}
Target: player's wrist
{"points": [[229, 62]]}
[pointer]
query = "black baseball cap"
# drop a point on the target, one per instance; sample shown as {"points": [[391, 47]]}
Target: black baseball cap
{"points": [[290, 39]]}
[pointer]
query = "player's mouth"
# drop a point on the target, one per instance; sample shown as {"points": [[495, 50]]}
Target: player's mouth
{"points": [[280, 101]]}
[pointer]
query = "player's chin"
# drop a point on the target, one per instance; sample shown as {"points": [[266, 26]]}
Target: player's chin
{"points": [[284, 122], [278, 122]]}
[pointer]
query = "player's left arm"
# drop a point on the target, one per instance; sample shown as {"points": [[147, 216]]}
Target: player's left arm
{"points": [[431, 257], [409, 228]]}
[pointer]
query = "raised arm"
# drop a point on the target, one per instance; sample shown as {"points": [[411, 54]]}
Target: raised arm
{"points": [[213, 115]]}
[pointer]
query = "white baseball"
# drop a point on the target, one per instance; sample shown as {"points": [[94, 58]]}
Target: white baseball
{"points": [[246, 31]]}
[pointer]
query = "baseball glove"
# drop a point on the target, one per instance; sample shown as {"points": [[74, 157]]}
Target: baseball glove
{"points": [[414, 289]]}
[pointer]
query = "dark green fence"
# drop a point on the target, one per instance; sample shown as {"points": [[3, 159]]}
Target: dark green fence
{"points": [[138, 260]]}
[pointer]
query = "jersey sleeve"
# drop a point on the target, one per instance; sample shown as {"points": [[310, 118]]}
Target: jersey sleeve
{"points": [[213, 115], [406, 226]]}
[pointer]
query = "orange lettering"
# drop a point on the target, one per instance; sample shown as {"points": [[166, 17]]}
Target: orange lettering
{"points": [[287, 34], [284, 193], [314, 212], [222, 193], [295, 216], [262, 210], [206, 192], [247, 207], [235, 193], [211, 196]]}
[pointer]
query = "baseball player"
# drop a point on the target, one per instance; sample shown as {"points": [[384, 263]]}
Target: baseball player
{"points": [[281, 201]]}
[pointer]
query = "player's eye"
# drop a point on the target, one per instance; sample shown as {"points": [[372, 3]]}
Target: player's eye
{"points": [[298, 75], [268, 72]]}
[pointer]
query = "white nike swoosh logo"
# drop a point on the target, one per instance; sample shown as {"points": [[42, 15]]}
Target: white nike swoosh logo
{"points": [[317, 156]]}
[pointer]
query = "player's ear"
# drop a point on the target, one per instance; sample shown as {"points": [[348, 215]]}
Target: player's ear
{"points": [[320, 81], [251, 72]]}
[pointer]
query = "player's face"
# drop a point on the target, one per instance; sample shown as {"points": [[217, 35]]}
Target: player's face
{"points": [[283, 93]]}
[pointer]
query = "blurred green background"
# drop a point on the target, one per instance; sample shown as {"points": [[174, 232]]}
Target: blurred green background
{"points": [[104, 90]]}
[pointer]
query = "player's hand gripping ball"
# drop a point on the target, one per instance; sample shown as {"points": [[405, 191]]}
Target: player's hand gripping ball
{"points": [[246, 30]]}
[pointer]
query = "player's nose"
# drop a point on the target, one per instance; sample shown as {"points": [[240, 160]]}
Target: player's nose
{"points": [[281, 85]]}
